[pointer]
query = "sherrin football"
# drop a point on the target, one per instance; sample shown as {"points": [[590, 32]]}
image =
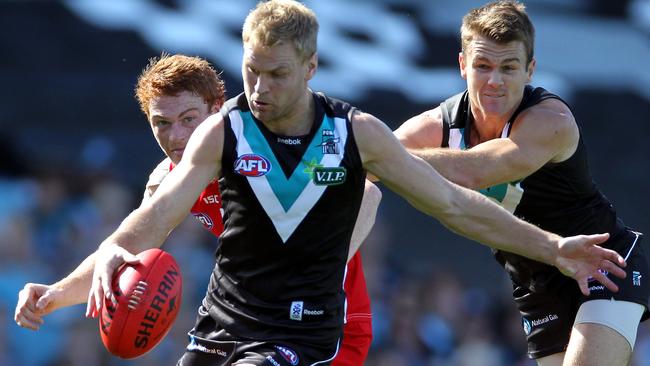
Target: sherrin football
{"points": [[148, 299]]}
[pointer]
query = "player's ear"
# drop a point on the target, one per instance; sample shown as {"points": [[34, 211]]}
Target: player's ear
{"points": [[312, 66], [215, 107], [530, 70], [461, 64]]}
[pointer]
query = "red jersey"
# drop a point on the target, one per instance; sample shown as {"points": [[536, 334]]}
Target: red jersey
{"points": [[207, 209]]}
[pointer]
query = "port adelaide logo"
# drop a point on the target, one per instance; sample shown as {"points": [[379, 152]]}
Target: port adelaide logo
{"points": [[252, 165], [329, 143]]}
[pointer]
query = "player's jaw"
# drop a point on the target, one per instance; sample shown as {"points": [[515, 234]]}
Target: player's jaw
{"points": [[176, 154]]}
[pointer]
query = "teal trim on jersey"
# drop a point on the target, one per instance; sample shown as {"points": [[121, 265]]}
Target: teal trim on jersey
{"points": [[463, 145], [497, 192], [286, 189]]}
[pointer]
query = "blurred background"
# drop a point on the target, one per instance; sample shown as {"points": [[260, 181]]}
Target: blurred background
{"points": [[75, 152]]}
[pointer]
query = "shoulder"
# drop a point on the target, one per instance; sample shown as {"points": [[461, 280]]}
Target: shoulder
{"points": [[422, 131], [332, 106], [549, 123], [156, 177], [374, 139], [367, 127], [236, 102], [550, 113], [159, 173], [212, 125]]}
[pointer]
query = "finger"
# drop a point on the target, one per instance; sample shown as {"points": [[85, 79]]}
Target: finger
{"points": [[25, 323], [130, 258], [94, 298], [44, 301], [99, 295], [32, 317], [597, 238], [613, 269], [106, 287], [584, 286], [23, 296], [611, 255], [600, 277], [90, 304], [616, 258]]}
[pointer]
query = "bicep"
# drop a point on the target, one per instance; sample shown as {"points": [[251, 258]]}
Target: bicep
{"points": [[407, 175], [423, 131], [533, 142]]}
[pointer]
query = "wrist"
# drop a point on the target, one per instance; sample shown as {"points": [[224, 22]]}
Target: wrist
{"points": [[554, 250]]}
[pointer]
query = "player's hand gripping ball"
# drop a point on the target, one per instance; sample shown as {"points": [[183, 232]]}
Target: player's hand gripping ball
{"points": [[148, 299]]}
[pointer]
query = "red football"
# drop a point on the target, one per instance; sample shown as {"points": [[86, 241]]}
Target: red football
{"points": [[148, 299]]}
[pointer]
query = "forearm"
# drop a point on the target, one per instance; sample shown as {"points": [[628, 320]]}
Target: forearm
{"points": [[476, 217], [470, 214], [75, 286], [452, 164], [366, 217], [141, 230]]}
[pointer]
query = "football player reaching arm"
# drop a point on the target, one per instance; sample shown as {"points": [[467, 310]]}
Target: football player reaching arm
{"points": [[37, 300], [468, 213], [148, 226], [165, 210]]}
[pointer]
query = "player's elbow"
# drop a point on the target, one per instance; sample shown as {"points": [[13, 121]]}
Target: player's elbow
{"points": [[445, 204]]}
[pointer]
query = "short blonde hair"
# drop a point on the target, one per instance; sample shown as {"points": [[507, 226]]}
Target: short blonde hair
{"points": [[501, 21], [172, 75], [275, 21]]}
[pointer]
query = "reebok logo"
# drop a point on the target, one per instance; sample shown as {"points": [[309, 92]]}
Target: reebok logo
{"points": [[290, 141], [313, 312], [297, 310]]}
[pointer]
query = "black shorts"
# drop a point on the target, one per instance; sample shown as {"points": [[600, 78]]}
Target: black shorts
{"points": [[211, 345], [547, 317]]}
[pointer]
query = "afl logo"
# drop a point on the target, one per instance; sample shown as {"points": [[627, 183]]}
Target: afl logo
{"points": [[252, 165], [288, 355], [204, 219]]}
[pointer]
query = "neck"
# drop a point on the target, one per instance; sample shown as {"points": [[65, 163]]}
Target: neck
{"points": [[298, 121], [487, 127]]}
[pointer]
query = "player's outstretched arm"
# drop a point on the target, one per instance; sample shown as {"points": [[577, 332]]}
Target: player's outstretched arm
{"points": [[36, 300], [471, 214], [148, 226], [366, 217]]}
